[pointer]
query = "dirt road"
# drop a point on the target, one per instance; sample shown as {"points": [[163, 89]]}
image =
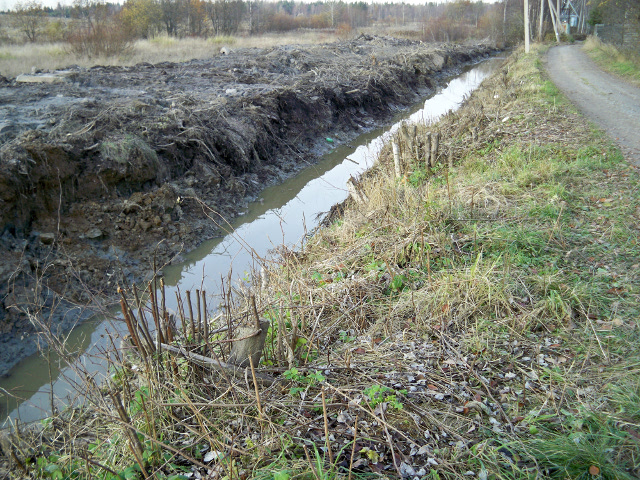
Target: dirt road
{"points": [[610, 102]]}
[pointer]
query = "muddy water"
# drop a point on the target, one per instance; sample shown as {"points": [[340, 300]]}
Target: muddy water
{"points": [[283, 215]]}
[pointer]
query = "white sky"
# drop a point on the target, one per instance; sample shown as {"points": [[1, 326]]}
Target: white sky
{"points": [[9, 4]]}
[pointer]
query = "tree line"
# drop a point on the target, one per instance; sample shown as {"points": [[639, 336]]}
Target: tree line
{"points": [[96, 21]]}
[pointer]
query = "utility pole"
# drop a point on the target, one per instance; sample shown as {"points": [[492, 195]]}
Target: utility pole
{"points": [[526, 26]]}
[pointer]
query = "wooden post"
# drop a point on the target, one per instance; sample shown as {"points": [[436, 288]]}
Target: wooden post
{"points": [[396, 159], [434, 148], [352, 188], [427, 150], [249, 343], [450, 157]]}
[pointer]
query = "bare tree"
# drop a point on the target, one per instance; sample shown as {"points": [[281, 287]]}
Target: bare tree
{"points": [[541, 23], [29, 18], [526, 26], [172, 12], [225, 16]]}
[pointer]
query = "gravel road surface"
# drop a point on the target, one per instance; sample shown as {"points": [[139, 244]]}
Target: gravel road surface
{"points": [[609, 101]]}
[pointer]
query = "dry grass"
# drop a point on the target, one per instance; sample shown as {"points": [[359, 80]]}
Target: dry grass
{"points": [[474, 318], [625, 63], [17, 59]]}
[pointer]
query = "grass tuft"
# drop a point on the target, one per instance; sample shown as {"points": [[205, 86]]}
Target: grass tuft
{"points": [[625, 63]]}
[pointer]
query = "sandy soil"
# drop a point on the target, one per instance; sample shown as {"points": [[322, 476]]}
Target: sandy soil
{"points": [[609, 101], [112, 167]]}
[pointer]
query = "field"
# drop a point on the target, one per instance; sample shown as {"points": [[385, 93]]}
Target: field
{"points": [[18, 59], [470, 316]]}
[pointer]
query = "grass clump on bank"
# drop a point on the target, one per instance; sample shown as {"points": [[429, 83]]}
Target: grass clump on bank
{"points": [[471, 320], [626, 63]]}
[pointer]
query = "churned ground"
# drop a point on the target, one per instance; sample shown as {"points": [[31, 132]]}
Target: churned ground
{"points": [[474, 318]]}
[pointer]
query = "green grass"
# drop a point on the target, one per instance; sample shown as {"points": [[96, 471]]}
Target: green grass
{"points": [[625, 64]]}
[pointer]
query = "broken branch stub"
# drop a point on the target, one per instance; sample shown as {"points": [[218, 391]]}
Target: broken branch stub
{"points": [[396, 159], [435, 146], [249, 344], [427, 150]]}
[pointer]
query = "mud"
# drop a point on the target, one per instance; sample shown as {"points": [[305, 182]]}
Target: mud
{"points": [[111, 169]]}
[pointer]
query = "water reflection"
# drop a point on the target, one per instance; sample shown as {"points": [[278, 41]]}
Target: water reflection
{"points": [[283, 216]]}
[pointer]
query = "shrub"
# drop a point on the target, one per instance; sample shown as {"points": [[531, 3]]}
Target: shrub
{"points": [[344, 31], [100, 41]]}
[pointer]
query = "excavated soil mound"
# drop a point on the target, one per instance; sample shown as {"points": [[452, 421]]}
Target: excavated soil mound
{"points": [[102, 169]]}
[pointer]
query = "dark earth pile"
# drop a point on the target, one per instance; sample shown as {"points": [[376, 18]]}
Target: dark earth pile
{"points": [[109, 167]]}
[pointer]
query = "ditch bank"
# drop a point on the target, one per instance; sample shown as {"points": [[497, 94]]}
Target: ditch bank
{"points": [[105, 170]]}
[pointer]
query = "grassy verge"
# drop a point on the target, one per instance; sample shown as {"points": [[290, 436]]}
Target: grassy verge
{"points": [[472, 321], [626, 64]]}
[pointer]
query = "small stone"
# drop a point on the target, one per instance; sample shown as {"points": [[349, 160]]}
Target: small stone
{"points": [[407, 470], [47, 238], [94, 234]]}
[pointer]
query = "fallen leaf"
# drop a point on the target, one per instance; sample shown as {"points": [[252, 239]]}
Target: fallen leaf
{"points": [[432, 387], [371, 454], [478, 397], [593, 470], [213, 455], [359, 351], [616, 290]]}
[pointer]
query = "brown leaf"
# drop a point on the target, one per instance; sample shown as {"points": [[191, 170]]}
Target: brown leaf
{"points": [[517, 419], [594, 470], [616, 290], [477, 397], [359, 351], [432, 387], [465, 410]]}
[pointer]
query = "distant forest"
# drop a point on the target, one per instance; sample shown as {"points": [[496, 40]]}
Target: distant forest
{"points": [[89, 21]]}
